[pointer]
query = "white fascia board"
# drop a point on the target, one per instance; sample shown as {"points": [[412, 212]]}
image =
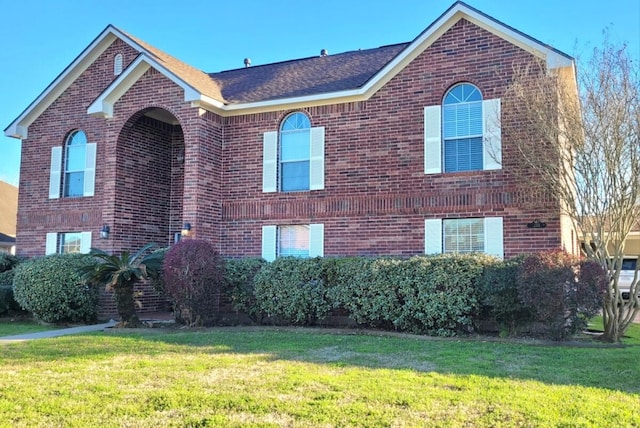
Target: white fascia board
{"points": [[103, 105], [19, 127]]}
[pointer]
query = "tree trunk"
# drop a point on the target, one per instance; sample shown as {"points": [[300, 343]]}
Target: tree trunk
{"points": [[126, 306]]}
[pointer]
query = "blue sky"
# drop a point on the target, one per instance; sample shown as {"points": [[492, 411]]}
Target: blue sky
{"points": [[40, 37]]}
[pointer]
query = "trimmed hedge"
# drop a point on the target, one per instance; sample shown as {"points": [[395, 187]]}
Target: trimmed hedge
{"points": [[499, 300], [240, 285], [435, 295], [293, 291], [51, 289]]}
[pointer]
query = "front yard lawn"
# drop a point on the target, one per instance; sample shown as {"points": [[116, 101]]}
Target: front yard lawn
{"points": [[308, 378], [10, 326]]}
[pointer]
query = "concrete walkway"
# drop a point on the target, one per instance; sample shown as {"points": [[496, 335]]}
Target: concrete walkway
{"points": [[56, 333]]}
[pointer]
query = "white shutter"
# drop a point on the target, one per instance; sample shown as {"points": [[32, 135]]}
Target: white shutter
{"points": [[51, 245], [269, 235], [493, 236], [316, 240], [55, 172], [492, 147], [432, 140], [433, 236], [90, 170], [316, 162], [85, 242], [270, 162]]}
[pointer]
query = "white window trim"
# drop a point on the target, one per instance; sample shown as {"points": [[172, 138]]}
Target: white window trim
{"points": [[491, 138], [52, 243], [57, 170], [271, 161], [493, 236], [270, 241]]}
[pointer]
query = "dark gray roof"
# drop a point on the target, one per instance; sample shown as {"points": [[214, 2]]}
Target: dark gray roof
{"points": [[302, 77], [6, 239]]}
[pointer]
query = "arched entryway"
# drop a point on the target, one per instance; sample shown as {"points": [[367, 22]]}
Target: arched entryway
{"points": [[149, 180]]}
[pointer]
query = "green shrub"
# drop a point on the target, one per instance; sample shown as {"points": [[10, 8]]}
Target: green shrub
{"points": [[561, 292], [293, 290], [193, 276], [7, 301], [367, 290], [440, 293], [8, 261], [499, 300], [51, 289], [6, 277], [240, 283], [425, 294]]}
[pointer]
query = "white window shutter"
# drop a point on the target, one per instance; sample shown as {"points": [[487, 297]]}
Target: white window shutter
{"points": [[51, 245], [316, 240], [90, 170], [269, 237], [433, 236], [493, 236], [432, 140], [491, 131], [85, 242], [270, 162], [316, 162], [55, 172]]}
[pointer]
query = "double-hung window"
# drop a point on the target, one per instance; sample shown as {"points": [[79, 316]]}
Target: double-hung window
{"points": [[73, 167], [292, 241], [463, 134], [293, 158], [68, 242], [464, 235]]}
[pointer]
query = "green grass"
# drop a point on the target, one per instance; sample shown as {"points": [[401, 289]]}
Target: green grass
{"points": [[10, 326], [266, 377]]}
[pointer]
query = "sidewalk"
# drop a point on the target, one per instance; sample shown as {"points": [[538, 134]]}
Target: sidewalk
{"points": [[56, 333]]}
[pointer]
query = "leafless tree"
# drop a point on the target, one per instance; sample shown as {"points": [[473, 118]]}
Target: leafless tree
{"points": [[579, 136]]}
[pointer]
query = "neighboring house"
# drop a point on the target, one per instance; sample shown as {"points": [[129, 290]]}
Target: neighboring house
{"points": [[8, 213], [395, 150]]}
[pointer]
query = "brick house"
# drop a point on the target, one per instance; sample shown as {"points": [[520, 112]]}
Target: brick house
{"points": [[395, 150]]}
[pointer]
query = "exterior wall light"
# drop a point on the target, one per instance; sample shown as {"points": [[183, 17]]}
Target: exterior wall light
{"points": [[104, 232], [186, 229]]}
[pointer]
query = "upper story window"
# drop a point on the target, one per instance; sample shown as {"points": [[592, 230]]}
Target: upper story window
{"points": [[464, 133], [293, 157], [73, 167], [295, 148], [74, 164], [117, 64], [462, 128]]}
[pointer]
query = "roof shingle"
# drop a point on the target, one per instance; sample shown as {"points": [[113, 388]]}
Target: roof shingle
{"points": [[304, 77]]}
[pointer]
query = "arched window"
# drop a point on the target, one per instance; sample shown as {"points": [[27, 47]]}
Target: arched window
{"points": [[295, 152], [117, 64], [462, 127], [75, 164]]}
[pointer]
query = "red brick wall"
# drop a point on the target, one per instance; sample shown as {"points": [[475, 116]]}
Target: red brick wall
{"points": [[376, 195]]}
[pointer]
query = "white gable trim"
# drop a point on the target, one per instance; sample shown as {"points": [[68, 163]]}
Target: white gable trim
{"points": [[103, 105], [19, 127]]}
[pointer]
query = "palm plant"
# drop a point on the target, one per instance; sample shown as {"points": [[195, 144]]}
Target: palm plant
{"points": [[120, 272]]}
